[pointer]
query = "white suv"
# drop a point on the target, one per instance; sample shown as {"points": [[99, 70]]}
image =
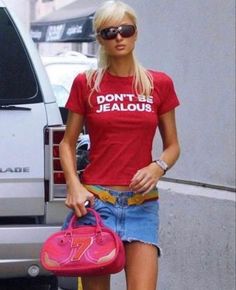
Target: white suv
{"points": [[32, 186]]}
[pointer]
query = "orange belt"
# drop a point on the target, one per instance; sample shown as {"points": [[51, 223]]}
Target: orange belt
{"points": [[136, 199]]}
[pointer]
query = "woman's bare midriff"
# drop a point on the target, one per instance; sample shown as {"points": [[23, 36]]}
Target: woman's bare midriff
{"points": [[118, 187]]}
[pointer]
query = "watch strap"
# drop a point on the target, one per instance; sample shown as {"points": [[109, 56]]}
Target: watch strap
{"points": [[162, 164]]}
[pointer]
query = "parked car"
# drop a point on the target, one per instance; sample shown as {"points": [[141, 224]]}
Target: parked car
{"points": [[62, 69], [32, 185]]}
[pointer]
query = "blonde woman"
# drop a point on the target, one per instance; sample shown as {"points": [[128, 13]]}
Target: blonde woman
{"points": [[122, 104]]}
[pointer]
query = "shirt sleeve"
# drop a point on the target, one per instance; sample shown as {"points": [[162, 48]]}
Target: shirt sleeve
{"points": [[169, 99], [76, 100]]}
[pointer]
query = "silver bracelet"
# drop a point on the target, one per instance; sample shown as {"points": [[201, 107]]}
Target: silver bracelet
{"points": [[162, 164]]}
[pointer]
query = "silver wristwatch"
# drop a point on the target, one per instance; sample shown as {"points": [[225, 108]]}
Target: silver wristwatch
{"points": [[161, 163]]}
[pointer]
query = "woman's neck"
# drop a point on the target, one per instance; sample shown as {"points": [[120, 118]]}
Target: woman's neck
{"points": [[121, 67]]}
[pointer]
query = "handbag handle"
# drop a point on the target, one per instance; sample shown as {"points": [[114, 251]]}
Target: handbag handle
{"points": [[98, 219]]}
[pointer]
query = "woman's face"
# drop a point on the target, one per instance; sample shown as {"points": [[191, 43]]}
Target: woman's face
{"points": [[119, 46]]}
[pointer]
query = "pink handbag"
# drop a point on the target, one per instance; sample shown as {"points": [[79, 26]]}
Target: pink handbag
{"points": [[85, 250]]}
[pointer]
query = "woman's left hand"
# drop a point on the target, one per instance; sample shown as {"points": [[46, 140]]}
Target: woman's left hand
{"points": [[146, 178]]}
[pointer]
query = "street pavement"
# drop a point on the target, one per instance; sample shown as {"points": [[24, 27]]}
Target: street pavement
{"points": [[118, 281]]}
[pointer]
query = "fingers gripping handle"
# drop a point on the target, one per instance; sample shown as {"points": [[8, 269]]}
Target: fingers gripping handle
{"points": [[97, 217]]}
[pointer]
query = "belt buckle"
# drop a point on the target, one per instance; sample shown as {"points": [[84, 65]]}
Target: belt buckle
{"points": [[122, 200]]}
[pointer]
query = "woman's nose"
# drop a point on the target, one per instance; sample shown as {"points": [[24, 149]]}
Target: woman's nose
{"points": [[119, 37]]}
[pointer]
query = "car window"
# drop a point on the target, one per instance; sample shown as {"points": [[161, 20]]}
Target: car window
{"points": [[18, 83]]}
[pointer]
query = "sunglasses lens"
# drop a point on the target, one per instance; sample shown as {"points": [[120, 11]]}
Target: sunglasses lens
{"points": [[127, 30], [111, 32]]}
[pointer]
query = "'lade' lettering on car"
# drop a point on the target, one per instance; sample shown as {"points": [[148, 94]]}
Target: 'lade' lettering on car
{"points": [[15, 170]]}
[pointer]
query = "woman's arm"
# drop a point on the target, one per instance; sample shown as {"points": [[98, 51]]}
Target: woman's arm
{"points": [[168, 131], [76, 193], [146, 178]]}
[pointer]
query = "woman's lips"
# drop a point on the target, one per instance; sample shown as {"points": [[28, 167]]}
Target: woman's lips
{"points": [[120, 47]]}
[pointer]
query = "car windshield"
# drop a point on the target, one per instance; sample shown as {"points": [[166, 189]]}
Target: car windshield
{"points": [[61, 76], [63, 69], [61, 94]]}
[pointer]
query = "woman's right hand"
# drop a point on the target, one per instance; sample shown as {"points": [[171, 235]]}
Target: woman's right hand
{"points": [[77, 195]]}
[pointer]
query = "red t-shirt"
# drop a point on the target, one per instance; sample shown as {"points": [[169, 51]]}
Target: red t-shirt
{"points": [[121, 125]]}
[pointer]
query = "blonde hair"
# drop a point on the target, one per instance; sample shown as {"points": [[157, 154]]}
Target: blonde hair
{"points": [[116, 10]]}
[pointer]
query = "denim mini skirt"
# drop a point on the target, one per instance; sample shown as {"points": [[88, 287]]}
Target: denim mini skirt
{"points": [[130, 222]]}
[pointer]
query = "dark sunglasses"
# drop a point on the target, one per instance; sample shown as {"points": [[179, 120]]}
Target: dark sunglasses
{"points": [[124, 30]]}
